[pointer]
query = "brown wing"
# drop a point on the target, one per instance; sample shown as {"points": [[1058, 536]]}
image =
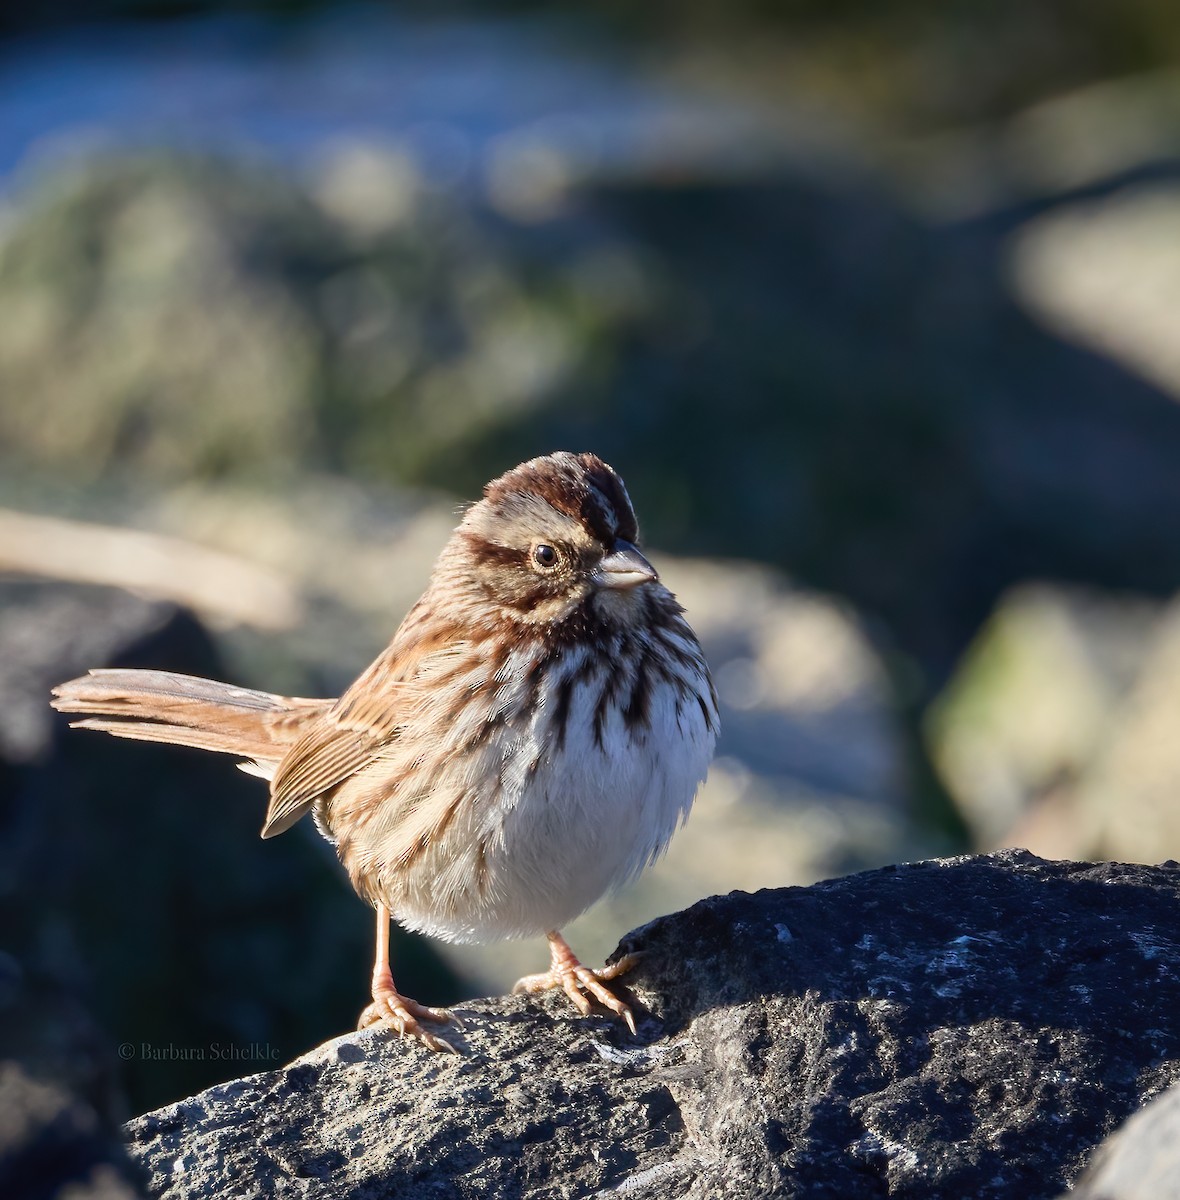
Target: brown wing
{"points": [[351, 733]]}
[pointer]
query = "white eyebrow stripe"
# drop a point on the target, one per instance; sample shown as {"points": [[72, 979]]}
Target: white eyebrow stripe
{"points": [[523, 516]]}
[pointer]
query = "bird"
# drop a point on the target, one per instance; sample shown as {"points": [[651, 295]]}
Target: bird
{"points": [[531, 738]]}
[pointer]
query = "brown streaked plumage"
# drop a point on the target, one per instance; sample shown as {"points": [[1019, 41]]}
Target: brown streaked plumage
{"points": [[530, 738]]}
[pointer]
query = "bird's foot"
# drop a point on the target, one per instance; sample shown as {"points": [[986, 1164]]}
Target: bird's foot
{"points": [[404, 1016], [567, 973]]}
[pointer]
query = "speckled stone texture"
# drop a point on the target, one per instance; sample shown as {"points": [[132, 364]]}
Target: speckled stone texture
{"points": [[965, 1027]]}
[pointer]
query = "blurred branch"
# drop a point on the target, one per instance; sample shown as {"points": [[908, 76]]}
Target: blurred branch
{"points": [[214, 583]]}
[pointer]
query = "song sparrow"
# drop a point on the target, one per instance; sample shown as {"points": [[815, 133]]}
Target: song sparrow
{"points": [[531, 737]]}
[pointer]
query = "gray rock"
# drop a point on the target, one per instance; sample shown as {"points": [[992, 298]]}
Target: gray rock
{"points": [[1141, 1161], [961, 1027]]}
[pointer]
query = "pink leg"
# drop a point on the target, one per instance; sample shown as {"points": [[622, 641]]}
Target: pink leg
{"points": [[399, 1012], [567, 973]]}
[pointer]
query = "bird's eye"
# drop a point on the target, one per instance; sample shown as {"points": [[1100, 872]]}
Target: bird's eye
{"points": [[545, 557]]}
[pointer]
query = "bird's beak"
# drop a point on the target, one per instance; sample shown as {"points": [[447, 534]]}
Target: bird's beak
{"points": [[624, 568]]}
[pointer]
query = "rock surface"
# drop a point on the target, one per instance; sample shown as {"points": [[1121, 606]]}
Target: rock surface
{"points": [[961, 1027]]}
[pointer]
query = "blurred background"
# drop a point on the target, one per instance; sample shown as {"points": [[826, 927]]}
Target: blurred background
{"points": [[873, 305]]}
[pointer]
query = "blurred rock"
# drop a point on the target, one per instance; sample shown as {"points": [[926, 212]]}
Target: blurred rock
{"points": [[1025, 718], [60, 1100], [1106, 273], [942, 1029], [1129, 798], [223, 586], [1140, 1160], [1074, 145], [194, 318], [1058, 730], [736, 348], [133, 883], [890, 69], [151, 321], [45, 629], [53, 1147]]}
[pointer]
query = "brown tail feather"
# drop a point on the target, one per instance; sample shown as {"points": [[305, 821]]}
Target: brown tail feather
{"points": [[159, 706]]}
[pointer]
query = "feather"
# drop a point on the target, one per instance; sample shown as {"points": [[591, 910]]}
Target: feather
{"points": [[161, 706]]}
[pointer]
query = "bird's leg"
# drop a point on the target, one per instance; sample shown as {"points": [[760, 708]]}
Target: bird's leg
{"points": [[399, 1012], [567, 973]]}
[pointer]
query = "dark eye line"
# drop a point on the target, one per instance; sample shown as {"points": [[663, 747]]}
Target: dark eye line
{"points": [[487, 553]]}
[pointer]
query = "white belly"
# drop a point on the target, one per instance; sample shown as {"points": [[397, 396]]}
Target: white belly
{"points": [[552, 823]]}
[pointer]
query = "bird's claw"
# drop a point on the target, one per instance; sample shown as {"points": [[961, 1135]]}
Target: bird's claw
{"points": [[404, 1015], [576, 981]]}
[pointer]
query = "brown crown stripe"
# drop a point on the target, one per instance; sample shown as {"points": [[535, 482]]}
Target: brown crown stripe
{"points": [[581, 486]]}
